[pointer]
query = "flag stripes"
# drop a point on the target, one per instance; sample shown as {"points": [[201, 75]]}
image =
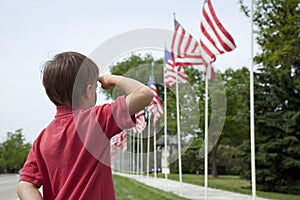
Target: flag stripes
{"points": [[170, 71], [155, 106], [140, 122], [185, 47], [214, 38], [120, 141]]}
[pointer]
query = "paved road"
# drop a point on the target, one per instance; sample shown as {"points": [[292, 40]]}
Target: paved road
{"points": [[189, 191], [8, 186]]}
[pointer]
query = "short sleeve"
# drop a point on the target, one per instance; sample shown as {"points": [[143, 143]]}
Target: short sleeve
{"points": [[115, 117], [30, 172], [121, 114]]}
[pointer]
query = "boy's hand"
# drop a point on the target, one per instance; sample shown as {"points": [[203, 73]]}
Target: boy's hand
{"points": [[107, 81], [138, 95]]}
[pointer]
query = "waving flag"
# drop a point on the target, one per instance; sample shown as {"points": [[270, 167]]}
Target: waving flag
{"points": [[123, 140], [185, 49], [170, 71], [120, 141], [214, 38], [155, 106], [140, 122]]}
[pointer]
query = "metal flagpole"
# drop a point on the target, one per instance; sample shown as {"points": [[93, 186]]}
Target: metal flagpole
{"points": [[137, 153], [133, 154], [165, 129], [252, 133], [142, 153], [121, 162], [126, 156], [120, 157], [148, 142], [178, 129], [206, 137], [154, 134], [154, 148], [130, 147], [178, 134]]}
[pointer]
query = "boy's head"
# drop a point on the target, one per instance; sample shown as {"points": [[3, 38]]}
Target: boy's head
{"points": [[70, 79]]}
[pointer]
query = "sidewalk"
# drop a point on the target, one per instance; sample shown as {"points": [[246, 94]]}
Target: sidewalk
{"points": [[188, 191]]}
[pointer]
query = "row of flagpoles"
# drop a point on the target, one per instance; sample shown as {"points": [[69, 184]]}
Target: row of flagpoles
{"points": [[185, 51]]}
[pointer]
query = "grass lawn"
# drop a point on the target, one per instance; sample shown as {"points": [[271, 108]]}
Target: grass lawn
{"points": [[230, 183], [128, 189]]}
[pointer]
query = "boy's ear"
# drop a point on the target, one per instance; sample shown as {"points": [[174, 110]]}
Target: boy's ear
{"points": [[88, 91]]}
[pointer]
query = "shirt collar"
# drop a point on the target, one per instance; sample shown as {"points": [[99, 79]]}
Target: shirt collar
{"points": [[62, 110]]}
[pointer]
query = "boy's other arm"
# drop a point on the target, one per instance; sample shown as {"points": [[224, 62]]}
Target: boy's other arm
{"points": [[138, 94], [28, 191]]}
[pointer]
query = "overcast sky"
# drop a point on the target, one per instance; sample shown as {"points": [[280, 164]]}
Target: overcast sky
{"points": [[32, 31]]}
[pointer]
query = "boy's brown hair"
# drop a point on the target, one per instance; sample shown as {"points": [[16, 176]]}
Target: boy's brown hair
{"points": [[66, 77]]}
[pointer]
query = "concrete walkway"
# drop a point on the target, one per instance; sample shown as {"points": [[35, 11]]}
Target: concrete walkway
{"points": [[187, 190]]}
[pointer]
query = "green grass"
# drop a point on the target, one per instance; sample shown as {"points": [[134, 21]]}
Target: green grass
{"points": [[230, 183], [128, 189]]}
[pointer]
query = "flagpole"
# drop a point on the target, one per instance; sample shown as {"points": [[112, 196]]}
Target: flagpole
{"points": [[137, 153], [154, 144], [126, 158], [148, 142], [154, 134], [178, 134], [121, 162], [133, 154], [252, 133], [206, 138], [120, 156], [165, 127], [130, 147], [142, 153]]}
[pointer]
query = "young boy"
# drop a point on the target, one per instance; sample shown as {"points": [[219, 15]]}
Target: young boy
{"points": [[70, 158]]}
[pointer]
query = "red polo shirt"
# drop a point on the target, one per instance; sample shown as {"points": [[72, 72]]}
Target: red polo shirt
{"points": [[71, 157]]}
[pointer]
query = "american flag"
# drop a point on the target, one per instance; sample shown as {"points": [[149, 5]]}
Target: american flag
{"points": [[123, 140], [214, 38], [170, 71], [140, 122], [120, 141], [155, 106], [185, 49]]}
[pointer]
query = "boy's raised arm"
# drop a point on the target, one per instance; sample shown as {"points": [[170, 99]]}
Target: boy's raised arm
{"points": [[138, 94]]}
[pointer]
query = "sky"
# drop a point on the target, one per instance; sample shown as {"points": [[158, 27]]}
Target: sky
{"points": [[33, 31]]}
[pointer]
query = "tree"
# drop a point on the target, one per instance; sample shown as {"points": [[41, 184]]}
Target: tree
{"points": [[191, 161], [236, 127], [14, 152], [277, 95], [236, 124]]}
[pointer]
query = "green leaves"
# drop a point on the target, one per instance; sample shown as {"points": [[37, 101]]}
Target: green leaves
{"points": [[13, 152]]}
